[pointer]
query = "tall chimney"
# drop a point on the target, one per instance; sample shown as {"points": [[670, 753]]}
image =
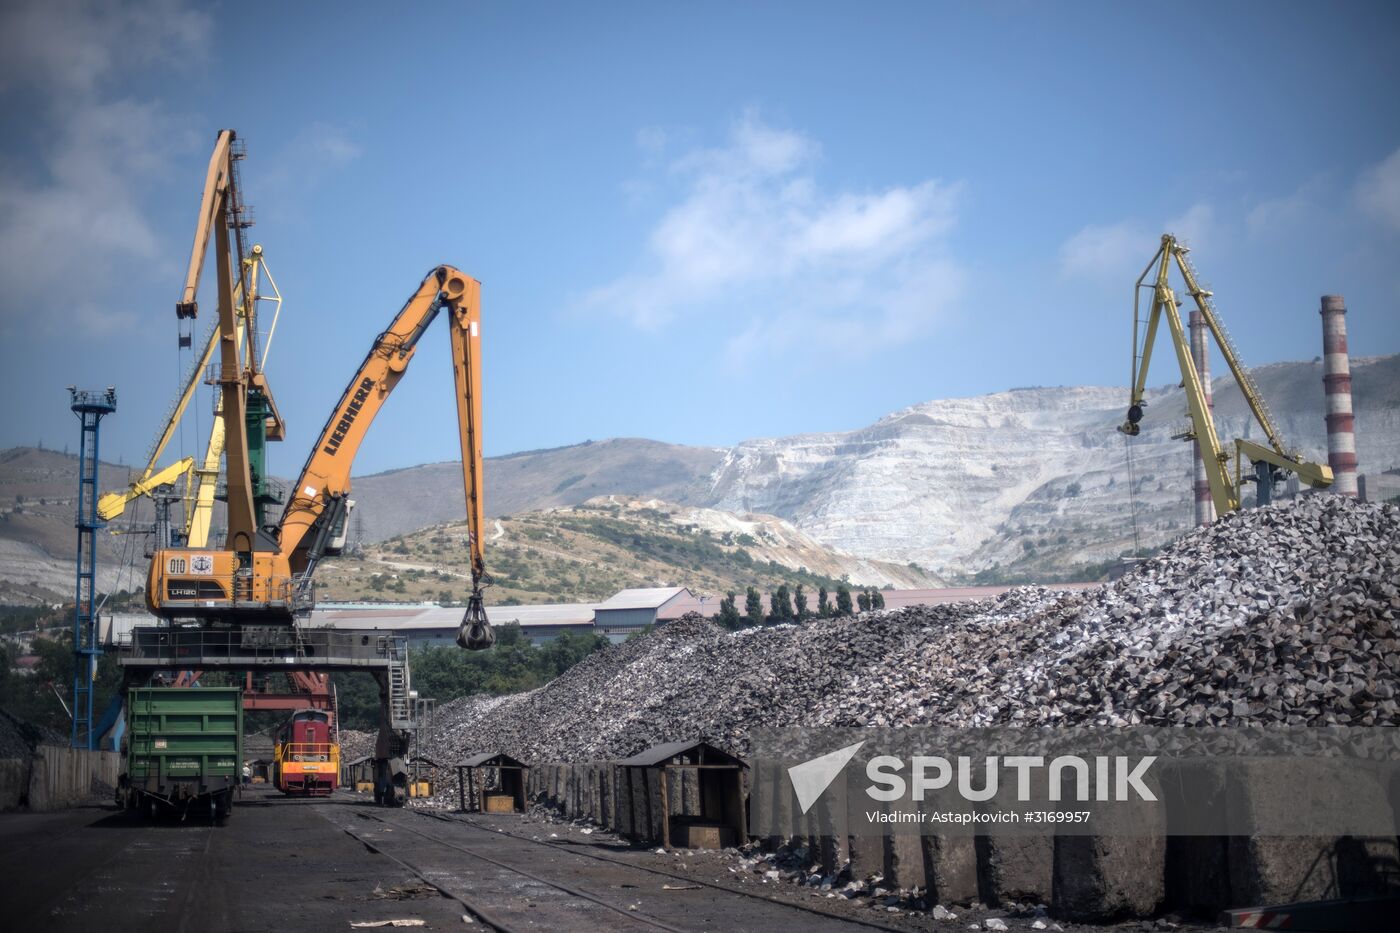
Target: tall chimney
{"points": [[1336, 376], [1200, 354]]}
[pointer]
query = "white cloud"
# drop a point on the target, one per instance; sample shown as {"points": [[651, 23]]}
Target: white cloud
{"points": [[1378, 190], [1281, 215], [1103, 251], [70, 223], [1114, 253], [300, 165], [67, 48], [752, 232], [1195, 228]]}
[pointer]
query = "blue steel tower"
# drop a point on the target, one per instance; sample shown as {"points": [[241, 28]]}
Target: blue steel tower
{"points": [[90, 407]]}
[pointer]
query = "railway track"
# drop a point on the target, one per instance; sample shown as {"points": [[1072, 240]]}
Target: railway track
{"points": [[765, 898], [512, 907], [568, 885]]}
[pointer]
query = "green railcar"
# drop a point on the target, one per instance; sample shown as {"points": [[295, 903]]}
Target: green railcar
{"points": [[184, 749]]}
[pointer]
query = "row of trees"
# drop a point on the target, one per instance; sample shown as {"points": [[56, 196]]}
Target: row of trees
{"points": [[786, 605]]}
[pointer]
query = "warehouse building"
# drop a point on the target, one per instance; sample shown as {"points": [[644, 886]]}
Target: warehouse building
{"points": [[434, 626], [630, 611]]}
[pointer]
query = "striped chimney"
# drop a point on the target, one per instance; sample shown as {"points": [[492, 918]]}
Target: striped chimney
{"points": [[1200, 354], [1336, 377]]}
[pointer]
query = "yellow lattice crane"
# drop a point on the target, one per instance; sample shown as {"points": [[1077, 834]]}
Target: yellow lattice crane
{"points": [[202, 474], [220, 210], [1268, 462]]}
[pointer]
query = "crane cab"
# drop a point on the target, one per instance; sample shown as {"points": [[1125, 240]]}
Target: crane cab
{"points": [[221, 585]]}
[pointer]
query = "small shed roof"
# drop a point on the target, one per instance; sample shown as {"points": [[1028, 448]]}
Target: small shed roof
{"points": [[491, 759], [650, 598], [660, 754]]}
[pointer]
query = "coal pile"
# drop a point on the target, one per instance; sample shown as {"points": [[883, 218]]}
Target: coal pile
{"points": [[19, 738], [1285, 614]]}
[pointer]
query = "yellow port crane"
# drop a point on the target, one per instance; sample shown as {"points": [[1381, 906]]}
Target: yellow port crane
{"points": [[1268, 462], [263, 575]]}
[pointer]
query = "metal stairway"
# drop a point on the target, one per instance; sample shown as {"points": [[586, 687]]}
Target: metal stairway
{"points": [[400, 706]]}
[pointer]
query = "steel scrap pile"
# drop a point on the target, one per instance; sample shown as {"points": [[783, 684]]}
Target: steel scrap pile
{"points": [[1285, 614]]}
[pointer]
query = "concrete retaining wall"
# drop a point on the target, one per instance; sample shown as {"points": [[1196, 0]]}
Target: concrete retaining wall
{"points": [[57, 777], [1083, 877]]}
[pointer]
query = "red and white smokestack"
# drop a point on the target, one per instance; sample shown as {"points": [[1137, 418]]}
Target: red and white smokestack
{"points": [[1336, 376], [1200, 354]]}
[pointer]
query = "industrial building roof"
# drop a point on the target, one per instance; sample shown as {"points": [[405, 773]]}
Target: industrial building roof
{"points": [[413, 617], [652, 598]]}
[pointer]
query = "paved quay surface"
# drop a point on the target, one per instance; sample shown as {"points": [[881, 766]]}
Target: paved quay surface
{"points": [[313, 865]]}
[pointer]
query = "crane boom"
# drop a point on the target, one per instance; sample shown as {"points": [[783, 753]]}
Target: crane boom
{"points": [[326, 476], [1225, 492]]}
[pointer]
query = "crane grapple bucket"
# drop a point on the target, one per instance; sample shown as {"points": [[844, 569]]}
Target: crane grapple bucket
{"points": [[476, 633]]}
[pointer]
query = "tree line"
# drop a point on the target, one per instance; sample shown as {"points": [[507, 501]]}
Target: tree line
{"points": [[786, 605]]}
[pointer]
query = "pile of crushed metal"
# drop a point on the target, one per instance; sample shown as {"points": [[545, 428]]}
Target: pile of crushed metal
{"points": [[356, 744], [1284, 614]]}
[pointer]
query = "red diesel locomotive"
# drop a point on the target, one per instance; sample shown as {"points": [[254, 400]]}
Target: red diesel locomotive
{"points": [[306, 761]]}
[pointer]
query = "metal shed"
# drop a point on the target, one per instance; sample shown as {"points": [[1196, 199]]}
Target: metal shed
{"points": [[718, 798], [508, 796], [358, 775]]}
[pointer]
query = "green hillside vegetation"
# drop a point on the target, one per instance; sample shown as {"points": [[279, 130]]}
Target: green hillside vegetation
{"points": [[584, 554], [510, 666]]}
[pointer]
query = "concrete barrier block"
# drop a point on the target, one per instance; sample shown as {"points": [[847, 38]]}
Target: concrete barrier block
{"points": [[1103, 878], [867, 855], [1121, 873], [1015, 868], [1277, 869], [14, 782], [950, 869]]}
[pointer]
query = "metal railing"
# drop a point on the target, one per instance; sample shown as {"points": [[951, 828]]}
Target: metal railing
{"points": [[317, 752], [261, 646]]}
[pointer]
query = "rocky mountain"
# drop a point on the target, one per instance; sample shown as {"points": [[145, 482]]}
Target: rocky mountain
{"points": [[1027, 484], [1030, 484], [400, 501], [38, 502]]}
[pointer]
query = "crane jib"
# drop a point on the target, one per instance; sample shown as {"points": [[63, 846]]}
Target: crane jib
{"points": [[352, 411]]}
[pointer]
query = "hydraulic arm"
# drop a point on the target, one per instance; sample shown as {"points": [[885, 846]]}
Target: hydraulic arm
{"points": [[271, 583], [1267, 461]]}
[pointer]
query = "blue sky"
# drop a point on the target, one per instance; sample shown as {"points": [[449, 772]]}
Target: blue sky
{"points": [[697, 224]]}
